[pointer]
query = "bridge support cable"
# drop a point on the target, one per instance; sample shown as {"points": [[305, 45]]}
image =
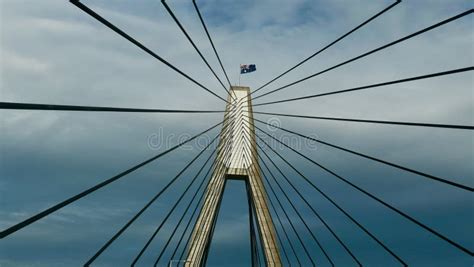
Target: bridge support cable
{"points": [[191, 218], [291, 203], [291, 224], [385, 247], [177, 202], [253, 241], [86, 192], [429, 176], [434, 26], [198, 203], [410, 79], [151, 201], [329, 45], [215, 168], [249, 152], [102, 20], [182, 217], [215, 199], [285, 253], [286, 215], [246, 151], [296, 210], [265, 239], [184, 250], [294, 207], [212, 224], [168, 9], [324, 194], [251, 195], [184, 214], [289, 241], [403, 214], [163, 221], [254, 244], [220, 171], [210, 40], [445, 126], [225, 130], [32, 106]]}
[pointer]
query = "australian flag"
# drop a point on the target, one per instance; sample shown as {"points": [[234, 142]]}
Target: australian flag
{"points": [[247, 68]]}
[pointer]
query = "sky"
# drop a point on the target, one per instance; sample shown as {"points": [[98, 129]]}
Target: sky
{"points": [[51, 52]]}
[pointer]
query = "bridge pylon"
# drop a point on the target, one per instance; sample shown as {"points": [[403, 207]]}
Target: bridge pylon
{"points": [[236, 159]]}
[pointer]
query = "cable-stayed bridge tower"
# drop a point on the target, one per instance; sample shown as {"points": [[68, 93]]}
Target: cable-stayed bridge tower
{"points": [[237, 159]]}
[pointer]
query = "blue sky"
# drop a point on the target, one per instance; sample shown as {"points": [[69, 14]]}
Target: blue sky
{"points": [[51, 52]]}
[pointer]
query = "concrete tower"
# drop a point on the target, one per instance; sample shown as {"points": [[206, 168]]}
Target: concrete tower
{"points": [[236, 159]]}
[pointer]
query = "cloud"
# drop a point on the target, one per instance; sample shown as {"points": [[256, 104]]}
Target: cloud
{"points": [[51, 52]]}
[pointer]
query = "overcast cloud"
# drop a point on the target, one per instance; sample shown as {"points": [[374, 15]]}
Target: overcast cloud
{"points": [[51, 52]]}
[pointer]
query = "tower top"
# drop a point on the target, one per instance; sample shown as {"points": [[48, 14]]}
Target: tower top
{"points": [[240, 137], [240, 88]]}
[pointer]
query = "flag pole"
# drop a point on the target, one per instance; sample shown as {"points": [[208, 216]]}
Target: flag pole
{"points": [[240, 73]]}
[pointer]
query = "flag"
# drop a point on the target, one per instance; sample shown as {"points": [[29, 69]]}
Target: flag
{"points": [[247, 68]]}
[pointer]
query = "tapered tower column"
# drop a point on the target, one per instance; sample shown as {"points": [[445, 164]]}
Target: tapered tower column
{"points": [[236, 159]]}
